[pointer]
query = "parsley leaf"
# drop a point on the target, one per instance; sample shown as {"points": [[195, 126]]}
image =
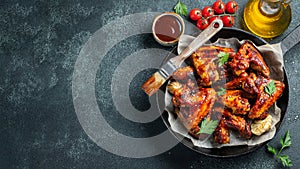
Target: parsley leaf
{"points": [[270, 88], [223, 58], [208, 126], [221, 92], [285, 160], [271, 149], [285, 141], [180, 8]]}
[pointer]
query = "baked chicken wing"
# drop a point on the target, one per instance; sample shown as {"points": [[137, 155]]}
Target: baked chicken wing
{"points": [[248, 56], [205, 62], [184, 73], [230, 121], [221, 134], [192, 105], [264, 101], [237, 123], [233, 100], [256, 85]]}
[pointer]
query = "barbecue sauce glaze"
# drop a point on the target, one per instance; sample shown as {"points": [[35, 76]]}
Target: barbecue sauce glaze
{"points": [[168, 28]]}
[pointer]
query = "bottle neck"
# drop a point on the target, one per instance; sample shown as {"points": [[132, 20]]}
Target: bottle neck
{"points": [[270, 7]]}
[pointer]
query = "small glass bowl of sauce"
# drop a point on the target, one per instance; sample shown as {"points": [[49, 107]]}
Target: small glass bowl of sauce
{"points": [[167, 28]]}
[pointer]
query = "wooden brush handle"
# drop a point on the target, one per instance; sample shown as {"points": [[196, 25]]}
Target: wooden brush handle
{"points": [[202, 38]]}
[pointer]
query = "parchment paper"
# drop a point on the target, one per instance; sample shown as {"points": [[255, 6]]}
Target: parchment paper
{"points": [[272, 55]]}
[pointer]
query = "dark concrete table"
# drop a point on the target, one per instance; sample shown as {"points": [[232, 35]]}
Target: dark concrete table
{"points": [[40, 42]]}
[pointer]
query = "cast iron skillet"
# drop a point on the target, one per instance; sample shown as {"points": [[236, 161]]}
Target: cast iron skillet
{"points": [[234, 150]]}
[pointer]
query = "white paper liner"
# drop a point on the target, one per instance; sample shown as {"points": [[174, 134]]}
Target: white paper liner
{"points": [[272, 55]]}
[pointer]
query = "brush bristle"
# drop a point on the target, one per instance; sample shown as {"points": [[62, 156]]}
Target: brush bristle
{"points": [[153, 83]]}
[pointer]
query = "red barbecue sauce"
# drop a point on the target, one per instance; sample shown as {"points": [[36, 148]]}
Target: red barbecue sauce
{"points": [[168, 28]]}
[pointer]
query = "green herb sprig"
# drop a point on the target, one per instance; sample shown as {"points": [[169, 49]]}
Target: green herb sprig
{"points": [[221, 92], [270, 88], [181, 8], [223, 58], [285, 142], [208, 126]]}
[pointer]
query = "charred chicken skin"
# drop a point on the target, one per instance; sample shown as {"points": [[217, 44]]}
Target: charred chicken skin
{"points": [[248, 56], [230, 121], [264, 101], [237, 123], [204, 61], [192, 105], [221, 134], [184, 73], [233, 100], [255, 85]]}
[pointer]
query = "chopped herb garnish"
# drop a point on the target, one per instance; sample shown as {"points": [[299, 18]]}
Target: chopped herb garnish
{"points": [[223, 58], [270, 88], [208, 126], [221, 92]]}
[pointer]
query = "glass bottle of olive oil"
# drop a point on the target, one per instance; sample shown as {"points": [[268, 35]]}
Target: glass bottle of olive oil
{"points": [[267, 18]]}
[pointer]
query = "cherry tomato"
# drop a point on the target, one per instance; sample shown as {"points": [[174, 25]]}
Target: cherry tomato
{"points": [[219, 7], [207, 11], [212, 18], [228, 21], [202, 23], [195, 14], [231, 7]]}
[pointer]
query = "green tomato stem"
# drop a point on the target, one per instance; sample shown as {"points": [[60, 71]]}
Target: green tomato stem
{"points": [[220, 15]]}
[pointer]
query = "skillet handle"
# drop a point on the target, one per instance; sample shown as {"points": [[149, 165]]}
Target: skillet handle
{"points": [[290, 40]]}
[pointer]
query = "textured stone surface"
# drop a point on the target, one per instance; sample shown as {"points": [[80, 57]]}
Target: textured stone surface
{"points": [[39, 44]]}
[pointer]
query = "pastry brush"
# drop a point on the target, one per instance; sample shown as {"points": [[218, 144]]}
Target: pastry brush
{"points": [[152, 85]]}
